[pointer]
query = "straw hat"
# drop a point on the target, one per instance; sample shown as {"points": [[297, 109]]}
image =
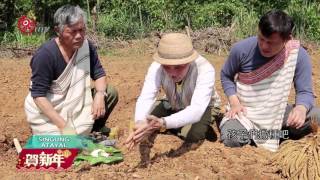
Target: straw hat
{"points": [[175, 49]]}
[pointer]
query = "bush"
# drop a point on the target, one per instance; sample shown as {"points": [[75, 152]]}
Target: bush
{"points": [[245, 24], [214, 14], [306, 16], [119, 24]]}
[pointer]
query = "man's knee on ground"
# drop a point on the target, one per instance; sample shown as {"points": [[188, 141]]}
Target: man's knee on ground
{"points": [[227, 140], [195, 136], [230, 142], [229, 134], [315, 112]]}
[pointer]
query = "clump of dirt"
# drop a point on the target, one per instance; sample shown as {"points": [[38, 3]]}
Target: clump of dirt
{"points": [[213, 40], [4, 144]]}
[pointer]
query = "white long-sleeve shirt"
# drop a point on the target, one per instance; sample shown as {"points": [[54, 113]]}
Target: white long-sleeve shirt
{"points": [[199, 102]]}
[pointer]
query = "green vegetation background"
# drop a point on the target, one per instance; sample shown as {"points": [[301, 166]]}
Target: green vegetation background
{"points": [[130, 19]]}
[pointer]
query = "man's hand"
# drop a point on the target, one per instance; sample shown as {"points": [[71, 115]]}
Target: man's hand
{"points": [[46, 107], [297, 117], [130, 142], [61, 125], [155, 122], [236, 108], [98, 108], [143, 130]]}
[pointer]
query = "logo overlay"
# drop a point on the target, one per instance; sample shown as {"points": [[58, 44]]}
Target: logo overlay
{"points": [[60, 152], [46, 159], [26, 26], [49, 152]]}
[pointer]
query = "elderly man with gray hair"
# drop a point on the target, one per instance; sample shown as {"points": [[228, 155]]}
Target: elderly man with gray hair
{"points": [[60, 87]]}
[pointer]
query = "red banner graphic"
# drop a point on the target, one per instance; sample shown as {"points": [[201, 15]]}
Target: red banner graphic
{"points": [[46, 159]]}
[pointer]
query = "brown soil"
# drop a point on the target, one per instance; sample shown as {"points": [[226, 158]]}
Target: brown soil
{"points": [[126, 70]]}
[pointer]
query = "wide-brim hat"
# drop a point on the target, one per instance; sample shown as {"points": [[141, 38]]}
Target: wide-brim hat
{"points": [[175, 49]]}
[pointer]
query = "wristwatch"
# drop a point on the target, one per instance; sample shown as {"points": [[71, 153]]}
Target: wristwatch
{"points": [[164, 125], [103, 92]]}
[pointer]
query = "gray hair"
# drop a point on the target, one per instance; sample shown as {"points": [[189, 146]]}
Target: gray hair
{"points": [[68, 15]]}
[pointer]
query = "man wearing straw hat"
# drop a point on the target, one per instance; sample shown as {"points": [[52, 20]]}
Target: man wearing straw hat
{"points": [[62, 70], [257, 78], [187, 80]]}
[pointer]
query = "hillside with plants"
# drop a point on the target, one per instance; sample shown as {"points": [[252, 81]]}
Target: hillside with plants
{"points": [[134, 19]]}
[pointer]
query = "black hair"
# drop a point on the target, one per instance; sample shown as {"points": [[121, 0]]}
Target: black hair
{"points": [[276, 21]]}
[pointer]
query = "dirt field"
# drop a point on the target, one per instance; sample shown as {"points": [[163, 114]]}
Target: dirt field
{"points": [[126, 70]]}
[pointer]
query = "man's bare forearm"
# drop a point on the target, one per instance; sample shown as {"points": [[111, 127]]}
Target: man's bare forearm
{"points": [[234, 100], [47, 109], [100, 84]]}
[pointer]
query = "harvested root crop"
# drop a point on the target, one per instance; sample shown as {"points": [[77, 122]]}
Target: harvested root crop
{"points": [[300, 159]]}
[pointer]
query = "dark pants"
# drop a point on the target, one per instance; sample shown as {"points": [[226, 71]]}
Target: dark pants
{"points": [[235, 125], [192, 132], [110, 102]]}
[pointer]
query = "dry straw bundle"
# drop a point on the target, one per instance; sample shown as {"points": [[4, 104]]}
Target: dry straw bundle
{"points": [[300, 159]]}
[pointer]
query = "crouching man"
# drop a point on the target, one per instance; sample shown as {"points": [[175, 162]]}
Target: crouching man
{"points": [[62, 70], [191, 102]]}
